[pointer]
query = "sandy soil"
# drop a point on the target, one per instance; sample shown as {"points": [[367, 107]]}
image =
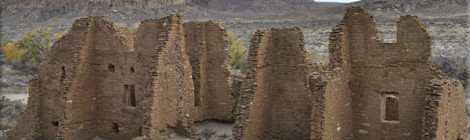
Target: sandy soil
{"points": [[220, 130]]}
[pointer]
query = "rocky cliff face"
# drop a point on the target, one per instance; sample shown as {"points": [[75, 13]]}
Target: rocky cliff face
{"points": [[77, 4], [410, 5], [256, 5]]}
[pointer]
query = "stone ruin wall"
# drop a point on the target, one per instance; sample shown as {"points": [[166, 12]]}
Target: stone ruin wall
{"points": [[276, 102], [370, 72], [330, 85], [207, 48], [166, 77], [443, 115], [381, 71], [84, 86], [99, 81], [370, 90]]}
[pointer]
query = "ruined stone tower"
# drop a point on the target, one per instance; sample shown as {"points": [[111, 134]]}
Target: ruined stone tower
{"points": [[276, 103], [207, 48], [370, 90], [100, 81]]}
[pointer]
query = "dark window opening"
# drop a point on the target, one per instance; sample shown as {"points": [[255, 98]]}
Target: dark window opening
{"points": [[55, 123], [140, 131], [391, 108], [111, 67], [132, 69], [129, 94], [62, 75], [197, 102], [115, 128]]}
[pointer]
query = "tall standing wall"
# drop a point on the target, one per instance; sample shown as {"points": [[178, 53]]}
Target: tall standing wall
{"points": [[207, 48], [277, 101], [161, 56], [444, 114]]}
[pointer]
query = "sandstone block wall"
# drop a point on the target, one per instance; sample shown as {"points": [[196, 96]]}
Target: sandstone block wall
{"points": [[276, 103], [381, 70], [160, 43], [96, 82], [28, 123], [371, 89], [444, 111], [100, 81], [330, 84], [207, 48]]}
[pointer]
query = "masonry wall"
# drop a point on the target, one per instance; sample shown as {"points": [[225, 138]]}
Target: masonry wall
{"points": [[52, 92], [160, 42], [77, 90], [444, 114], [380, 70], [330, 84], [207, 49], [277, 102], [28, 123], [112, 63], [84, 87]]}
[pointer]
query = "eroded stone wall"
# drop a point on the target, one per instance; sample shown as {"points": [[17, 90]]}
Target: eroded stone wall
{"points": [[100, 80], [28, 123], [371, 89], [330, 84], [381, 70], [277, 101], [97, 83], [444, 111], [207, 48], [160, 42]]}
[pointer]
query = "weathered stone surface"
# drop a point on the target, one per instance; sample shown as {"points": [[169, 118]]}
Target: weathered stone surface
{"points": [[276, 103], [351, 92], [101, 80], [97, 82], [207, 49], [370, 90], [443, 116]]}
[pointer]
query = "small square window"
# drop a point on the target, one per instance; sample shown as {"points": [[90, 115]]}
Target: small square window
{"points": [[55, 123], [391, 110], [115, 128], [111, 67], [129, 95]]}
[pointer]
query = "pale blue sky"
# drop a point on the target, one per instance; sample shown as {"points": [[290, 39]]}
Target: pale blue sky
{"points": [[342, 1]]}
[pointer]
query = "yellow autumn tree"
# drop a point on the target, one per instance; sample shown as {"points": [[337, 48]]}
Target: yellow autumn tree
{"points": [[33, 48], [237, 52], [12, 52], [58, 36]]}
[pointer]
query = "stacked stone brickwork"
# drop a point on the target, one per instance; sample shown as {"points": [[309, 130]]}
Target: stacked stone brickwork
{"points": [[354, 94], [443, 115], [207, 49], [330, 84], [166, 77], [101, 80], [369, 90], [96, 82], [277, 102]]}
